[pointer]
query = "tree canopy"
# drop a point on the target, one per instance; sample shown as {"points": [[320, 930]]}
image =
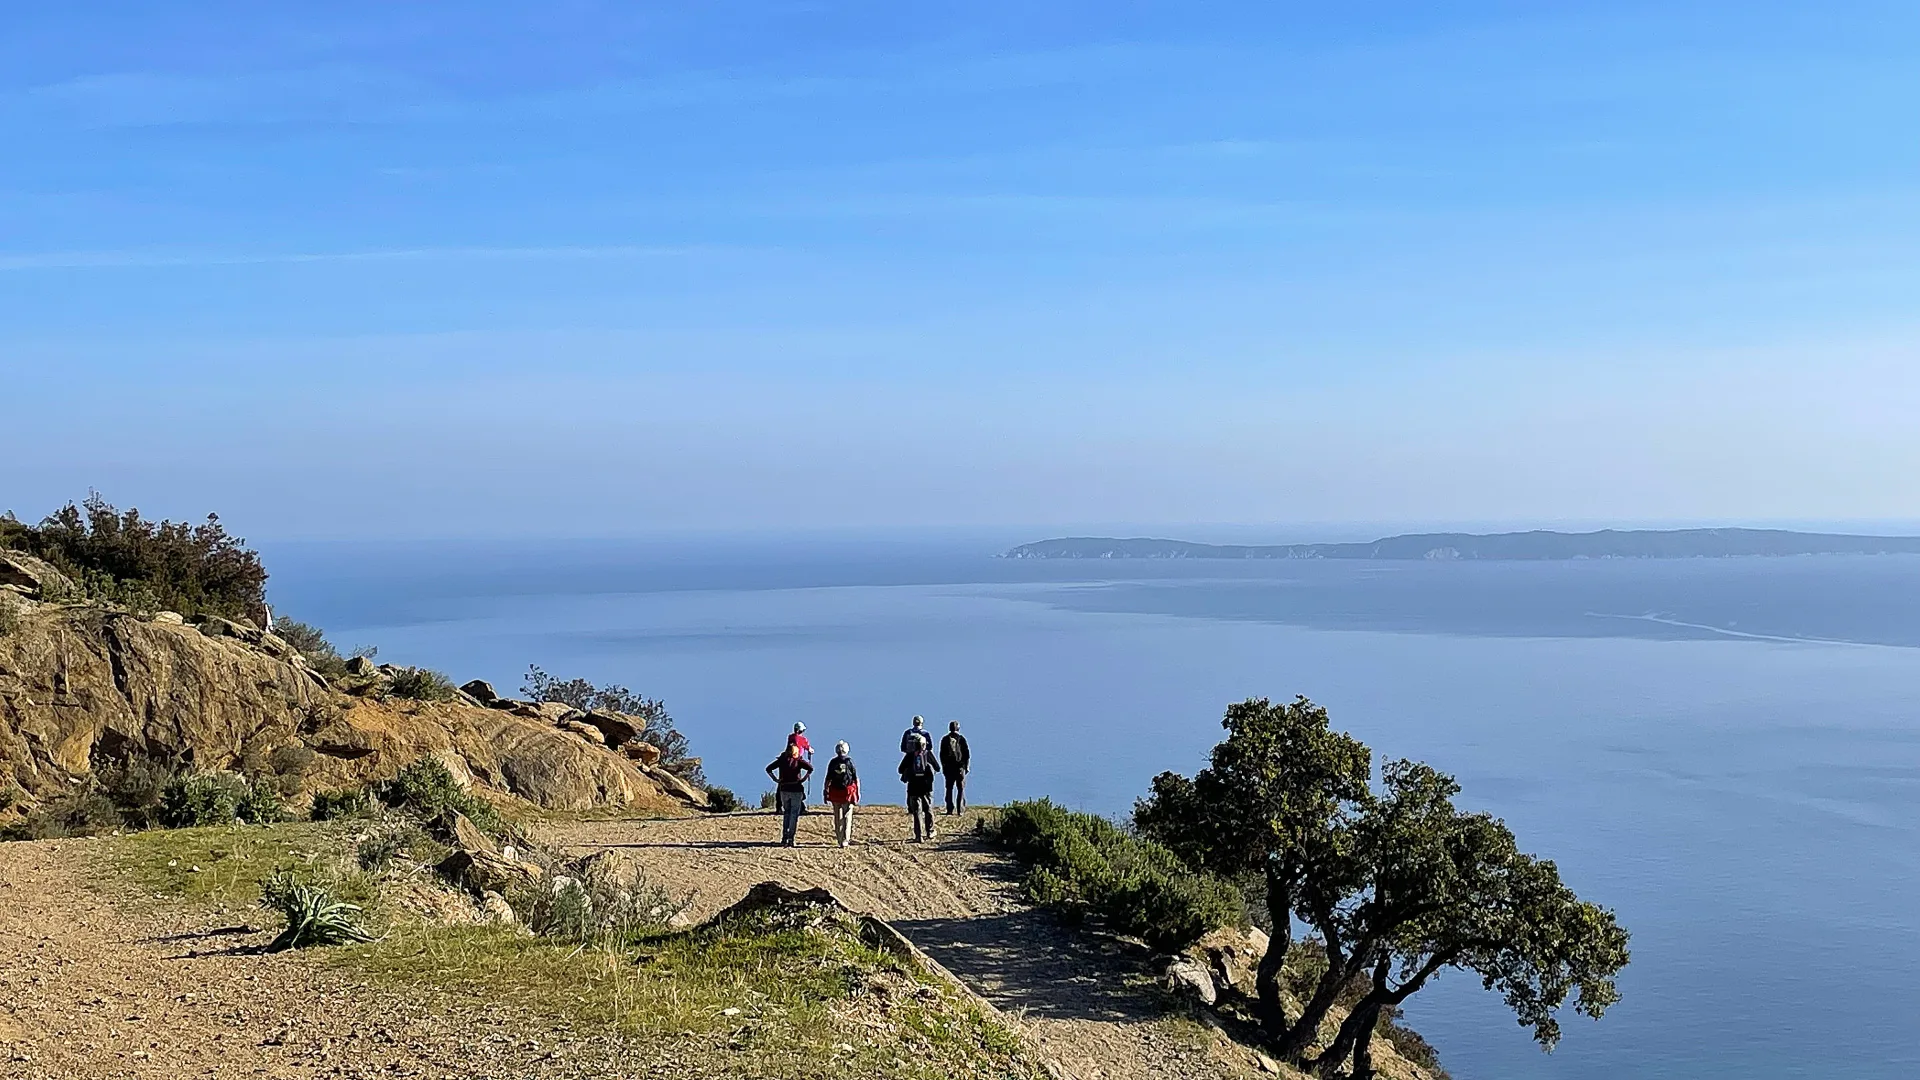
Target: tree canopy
{"points": [[1398, 883], [125, 557]]}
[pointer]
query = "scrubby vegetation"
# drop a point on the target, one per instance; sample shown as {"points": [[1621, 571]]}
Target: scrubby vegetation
{"points": [[337, 803], [722, 800], [421, 684], [675, 753], [427, 789], [1083, 864], [141, 793], [124, 558]]}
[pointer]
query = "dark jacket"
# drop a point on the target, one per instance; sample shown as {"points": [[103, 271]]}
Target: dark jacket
{"points": [[790, 773], [954, 756], [915, 735], [841, 773], [917, 769]]}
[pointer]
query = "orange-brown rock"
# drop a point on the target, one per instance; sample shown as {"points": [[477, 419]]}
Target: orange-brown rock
{"points": [[78, 681]]}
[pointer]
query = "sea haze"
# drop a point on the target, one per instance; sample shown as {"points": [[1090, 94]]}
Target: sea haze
{"points": [[1725, 751]]}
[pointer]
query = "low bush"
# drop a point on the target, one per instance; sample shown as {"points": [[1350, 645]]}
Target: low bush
{"points": [[314, 915], [124, 558], [1084, 864], [421, 684], [426, 789], [770, 800], [341, 803], [136, 785], [386, 844], [722, 800], [594, 901], [79, 813], [193, 799], [11, 796]]}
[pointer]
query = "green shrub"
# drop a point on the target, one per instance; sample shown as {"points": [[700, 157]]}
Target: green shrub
{"points": [[11, 796], [79, 813], [1082, 864], [314, 915], [770, 799], [593, 900], [136, 784], [124, 558], [421, 684], [722, 800], [426, 789], [262, 804], [202, 798], [341, 803]]}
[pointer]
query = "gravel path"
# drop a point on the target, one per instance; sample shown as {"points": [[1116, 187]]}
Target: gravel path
{"points": [[1086, 999]]}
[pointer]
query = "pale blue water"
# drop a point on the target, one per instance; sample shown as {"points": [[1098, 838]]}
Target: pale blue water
{"points": [[1745, 799]]}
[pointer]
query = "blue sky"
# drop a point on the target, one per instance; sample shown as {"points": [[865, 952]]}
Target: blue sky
{"points": [[365, 269]]}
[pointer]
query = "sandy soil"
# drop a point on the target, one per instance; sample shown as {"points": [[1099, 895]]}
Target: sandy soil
{"points": [[92, 990], [1086, 999]]}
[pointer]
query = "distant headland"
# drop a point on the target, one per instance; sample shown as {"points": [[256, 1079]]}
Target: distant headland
{"points": [[1536, 545]]}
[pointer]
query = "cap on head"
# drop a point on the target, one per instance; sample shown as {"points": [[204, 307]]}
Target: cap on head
{"points": [[841, 747], [798, 728], [953, 725], [919, 721]]}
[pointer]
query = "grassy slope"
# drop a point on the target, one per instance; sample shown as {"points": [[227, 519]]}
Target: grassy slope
{"points": [[786, 997]]}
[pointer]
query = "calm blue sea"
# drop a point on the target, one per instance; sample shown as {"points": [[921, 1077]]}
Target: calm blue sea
{"points": [[1726, 752]]}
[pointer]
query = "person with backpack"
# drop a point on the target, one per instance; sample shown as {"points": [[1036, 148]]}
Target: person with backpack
{"points": [[955, 759], [916, 734], [799, 737], [917, 769], [789, 774], [843, 792]]}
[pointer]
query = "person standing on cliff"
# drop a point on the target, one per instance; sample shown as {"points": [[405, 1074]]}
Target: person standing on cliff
{"points": [[916, 734], [789, 774], [843, 792], [955, 760], [917, 769], [799, 737]]}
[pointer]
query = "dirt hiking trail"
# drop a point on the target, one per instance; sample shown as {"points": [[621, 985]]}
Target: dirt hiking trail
{"points": [[1088, 1000]]}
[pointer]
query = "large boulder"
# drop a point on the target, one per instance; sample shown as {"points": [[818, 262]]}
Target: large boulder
{"points": [[81, 682], [481, 691], [617, 728], [36, 578]]}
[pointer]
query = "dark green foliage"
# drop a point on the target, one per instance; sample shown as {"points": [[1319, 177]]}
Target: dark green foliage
{"points": [[1398, 883], [310, 642], [770, 799], [1082, 863], [124, 558], [675, 753], [341, 803], [314, 916], [189, 800], [426, 789], [12, 795], [79, 813], [593, 900], [722, 800], [421, 684], [390, 841], [136, 785]]}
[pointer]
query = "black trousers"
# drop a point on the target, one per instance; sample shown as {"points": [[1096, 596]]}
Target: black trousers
{"points": [[956, 790]]}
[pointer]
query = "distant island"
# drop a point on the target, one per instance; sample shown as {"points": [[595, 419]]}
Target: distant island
{"points": [[1536, 545]]}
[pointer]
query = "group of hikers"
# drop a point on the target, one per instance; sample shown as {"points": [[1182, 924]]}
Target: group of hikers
{"points": [[919, 764]]}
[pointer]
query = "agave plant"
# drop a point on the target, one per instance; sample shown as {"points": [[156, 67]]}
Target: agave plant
{"points": [[314, 917]]}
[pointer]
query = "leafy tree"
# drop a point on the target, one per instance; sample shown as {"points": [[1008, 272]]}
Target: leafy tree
{"points": [[1433, 888], [675, 751], [1273, 804], [1399, 885]]}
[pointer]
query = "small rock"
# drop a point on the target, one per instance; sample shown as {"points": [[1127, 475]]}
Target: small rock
{"points": [[495, 909], [1266, 1063], [361, 666], [1189, 977], [170, 618]]}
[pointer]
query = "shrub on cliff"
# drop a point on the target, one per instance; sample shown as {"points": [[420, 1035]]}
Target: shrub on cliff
{"points": [[421, 684], [675, 753], [427, 788], [1084, 864], [79, 813], [218, 798], [125, 558]]}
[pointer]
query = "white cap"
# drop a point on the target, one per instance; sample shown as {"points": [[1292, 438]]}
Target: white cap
{"points": [[799, 727]]}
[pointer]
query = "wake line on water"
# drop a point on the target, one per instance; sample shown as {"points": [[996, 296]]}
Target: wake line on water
{"points": [[1723, 631]]}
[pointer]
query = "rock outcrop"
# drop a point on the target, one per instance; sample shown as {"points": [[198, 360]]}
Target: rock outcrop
{"points": [[80, 682]]}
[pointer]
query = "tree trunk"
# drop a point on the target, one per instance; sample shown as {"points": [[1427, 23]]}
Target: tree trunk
{"points": [[1363, 1049], [1273, 1015], [1358, 1026], [1301, 1036]]}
